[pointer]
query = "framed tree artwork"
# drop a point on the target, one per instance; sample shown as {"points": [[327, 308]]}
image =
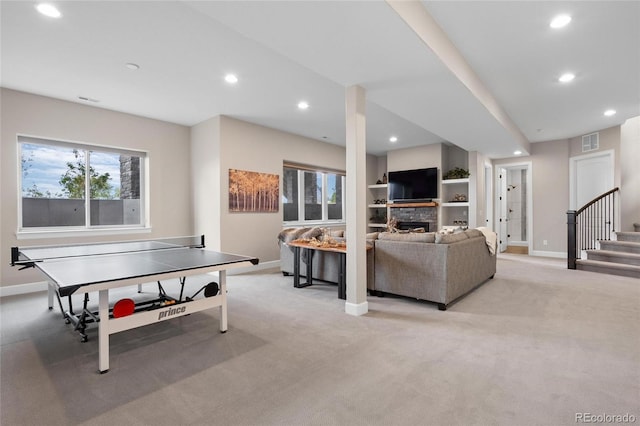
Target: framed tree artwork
{"points": [[253, 192]]}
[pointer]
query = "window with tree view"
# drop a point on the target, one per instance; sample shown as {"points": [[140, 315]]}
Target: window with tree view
{"points": [[312, 195], [79, 186]]}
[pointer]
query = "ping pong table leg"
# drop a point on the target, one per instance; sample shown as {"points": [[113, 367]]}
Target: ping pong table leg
{"points": [[50, 291], [103, 331], [222, 277]]}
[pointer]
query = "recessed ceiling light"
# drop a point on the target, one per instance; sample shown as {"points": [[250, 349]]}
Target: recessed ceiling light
{"points": [[560, 21], [610, 112], [303, 105], [567, 77], [393, 139], [48, 10], [231, 78], [132, 66], [517, 152]]}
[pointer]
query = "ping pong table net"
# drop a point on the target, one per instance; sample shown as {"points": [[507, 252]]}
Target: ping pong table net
{"points": [[27, 256]]}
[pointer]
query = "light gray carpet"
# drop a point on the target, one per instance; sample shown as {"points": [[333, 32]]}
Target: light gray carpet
{"points": [[534, 346]]}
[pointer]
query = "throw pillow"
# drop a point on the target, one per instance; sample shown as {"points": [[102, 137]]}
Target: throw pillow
{"points": [[314, 232], [450, 238]]}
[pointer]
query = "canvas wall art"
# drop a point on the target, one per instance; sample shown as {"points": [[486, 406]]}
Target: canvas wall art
{"points": [[253, 192]]}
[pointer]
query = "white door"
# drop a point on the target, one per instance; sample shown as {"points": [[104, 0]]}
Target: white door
{"points": [[591, 175]]}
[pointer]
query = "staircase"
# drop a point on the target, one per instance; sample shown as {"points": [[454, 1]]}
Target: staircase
{"points": [[615, 257]]}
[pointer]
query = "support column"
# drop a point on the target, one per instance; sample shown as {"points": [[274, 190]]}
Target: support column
{"points": [[356, 232]]}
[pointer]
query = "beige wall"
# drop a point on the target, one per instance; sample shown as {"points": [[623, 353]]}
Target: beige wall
{"points": [[205, 180], [550, 186], [550, 174], [415, 158], [630, 173], [167, 145], [246, 146], [477, 190]]}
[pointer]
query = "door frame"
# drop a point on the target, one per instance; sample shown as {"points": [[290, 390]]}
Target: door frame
{"points": [[488, 195], [528, 166]]}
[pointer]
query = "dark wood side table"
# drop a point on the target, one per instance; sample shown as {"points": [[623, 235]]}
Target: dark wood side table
{"points": [[311, 248]]}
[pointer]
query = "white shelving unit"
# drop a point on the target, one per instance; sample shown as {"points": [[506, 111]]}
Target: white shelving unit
{"points": [[454, 213], [378, 191]]}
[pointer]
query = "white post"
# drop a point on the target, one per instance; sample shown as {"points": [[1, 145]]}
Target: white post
{"points": [[103, 331], [222, 277], [356, 233], [50, 294]]}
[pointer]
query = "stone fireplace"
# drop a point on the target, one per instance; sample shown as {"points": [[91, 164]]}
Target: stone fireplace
{"points": [[415, 217]]}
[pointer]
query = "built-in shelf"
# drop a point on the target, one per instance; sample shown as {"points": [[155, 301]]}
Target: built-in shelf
{"points": [[377, 225], [378, 211], [456, 204], [378, 185], [454, 212], [452, 181]]}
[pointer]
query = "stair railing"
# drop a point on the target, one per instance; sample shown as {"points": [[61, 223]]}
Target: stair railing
{"points": [[593, 222]]}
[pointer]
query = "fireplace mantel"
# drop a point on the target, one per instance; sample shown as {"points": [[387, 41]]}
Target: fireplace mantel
{"points": [[405, 205]]}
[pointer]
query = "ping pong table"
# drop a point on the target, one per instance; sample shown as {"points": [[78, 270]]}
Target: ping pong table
{"points": [[81, 269]]}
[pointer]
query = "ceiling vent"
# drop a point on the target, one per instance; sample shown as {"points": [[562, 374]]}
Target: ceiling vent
{"points": [[590, 142]]}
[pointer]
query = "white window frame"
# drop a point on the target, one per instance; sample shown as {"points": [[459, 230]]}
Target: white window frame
{"points": [[325, 221], [23, 233]]}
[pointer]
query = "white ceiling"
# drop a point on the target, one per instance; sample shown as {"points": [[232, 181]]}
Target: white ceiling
{"points": [[287, 51]]}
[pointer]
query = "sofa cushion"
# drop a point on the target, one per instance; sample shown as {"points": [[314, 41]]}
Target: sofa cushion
{"points": [[451, 230], [473, 233], [420, 237], [290, 234], [314, 232], [450, 238], [372, 235]]}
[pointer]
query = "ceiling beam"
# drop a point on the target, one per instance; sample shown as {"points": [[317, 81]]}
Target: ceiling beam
{"points": [[416, 16]]}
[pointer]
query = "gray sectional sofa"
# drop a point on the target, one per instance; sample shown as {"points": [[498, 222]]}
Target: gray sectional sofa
{"points": [[434, 267], [439, 268]]}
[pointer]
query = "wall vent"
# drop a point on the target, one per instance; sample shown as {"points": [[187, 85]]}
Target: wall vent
{"points": [[590, 142]]}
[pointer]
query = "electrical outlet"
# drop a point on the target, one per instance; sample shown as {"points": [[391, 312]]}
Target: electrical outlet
{"points": [[544, 242]]}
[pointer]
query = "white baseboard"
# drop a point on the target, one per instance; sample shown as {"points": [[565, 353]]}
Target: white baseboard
{"points": [[557, 254], [518, 243], [356, 309], [12, 290]]}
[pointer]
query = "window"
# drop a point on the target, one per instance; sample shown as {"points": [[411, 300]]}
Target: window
{"points": [[55, 178], [312, 195]]}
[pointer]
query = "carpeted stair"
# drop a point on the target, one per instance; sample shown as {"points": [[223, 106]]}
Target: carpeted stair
{"points": [[619, 257]]}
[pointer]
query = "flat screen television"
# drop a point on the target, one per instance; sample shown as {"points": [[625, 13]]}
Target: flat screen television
{"points": [[413, 185]]}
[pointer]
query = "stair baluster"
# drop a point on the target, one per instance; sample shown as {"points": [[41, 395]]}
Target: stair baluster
{"points": [[595, 221]]}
